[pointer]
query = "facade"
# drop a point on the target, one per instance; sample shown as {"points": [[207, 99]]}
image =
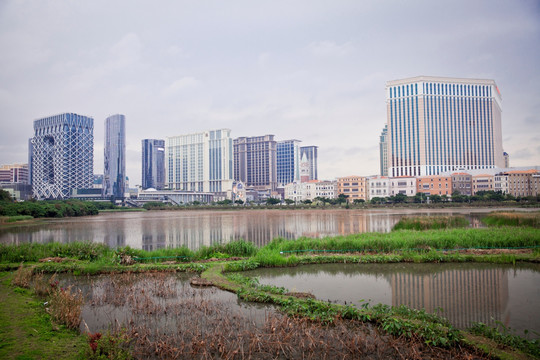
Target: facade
{"points": [[288, 161], [175, 197], [434, 185], [463, 183], [506, 160], [377, 187], [255, 161], [312, 154], [14, 173], [500, 183], [310, 190], [304, 168], [438, 124], [483, 182], [355, 187], [405, 185], [523, 183], [201, 162], [383, 151], [153, 164], [114, 169], [62, 155]]}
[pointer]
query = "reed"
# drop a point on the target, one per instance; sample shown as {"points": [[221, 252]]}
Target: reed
{"points": [[531, 219], [31, 252], [431, 222], [414, 240]]}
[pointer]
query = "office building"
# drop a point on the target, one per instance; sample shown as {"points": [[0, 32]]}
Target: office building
{"points": [[311, 154], [438, 124], [383, 151], [62, 155], [114, 170], [153, 164], [288, 161], [255, 161], [201, 162]]}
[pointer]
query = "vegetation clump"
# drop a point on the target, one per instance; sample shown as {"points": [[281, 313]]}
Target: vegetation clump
{"points": [[531, 219], [431, 222]]}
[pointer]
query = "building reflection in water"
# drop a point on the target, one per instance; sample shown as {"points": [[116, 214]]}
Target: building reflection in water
{"points": [[465, 296]]}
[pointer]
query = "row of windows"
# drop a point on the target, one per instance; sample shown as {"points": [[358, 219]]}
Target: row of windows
{"points": [[441, 89]]}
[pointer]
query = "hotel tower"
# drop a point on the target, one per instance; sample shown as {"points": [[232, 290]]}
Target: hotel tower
{"points": [[438, 124]]}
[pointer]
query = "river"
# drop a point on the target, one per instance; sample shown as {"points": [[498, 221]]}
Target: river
{"points": [[193, 229]]}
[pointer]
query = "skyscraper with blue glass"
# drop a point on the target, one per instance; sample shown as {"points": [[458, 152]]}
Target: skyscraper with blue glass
{"points": [[438, 124], [153, 164], [114, 171], [288, 161], [62, 155]]}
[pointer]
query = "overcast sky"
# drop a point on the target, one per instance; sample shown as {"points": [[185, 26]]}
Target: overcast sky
{"points": [[308, 70]]}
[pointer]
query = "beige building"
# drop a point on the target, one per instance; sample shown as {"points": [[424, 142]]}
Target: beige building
{"points": [[439, 124], [301, 191], [523, 182], [355, 187], [483, 182], [405, 185]]}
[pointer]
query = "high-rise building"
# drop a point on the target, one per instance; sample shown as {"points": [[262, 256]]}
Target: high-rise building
{"points": [[153, 164], [288, 161], [255, 161], [62, 155], [383, 151], [114, 170], [438, 124], [311, 153], [200, 162]]}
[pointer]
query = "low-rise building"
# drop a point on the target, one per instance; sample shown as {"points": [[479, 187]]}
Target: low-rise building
{"points": [[302, 191], [523, 182], [377, 187], [405, 185], [434, 185], [462, 183], [354, 187], [482, 182], [500, 183]]}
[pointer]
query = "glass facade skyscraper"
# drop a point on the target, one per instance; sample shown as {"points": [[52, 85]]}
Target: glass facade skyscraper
{"points": [[153, 164], [62, 155], [288, 161], [114, 171], [438, 124], [200, 162]]}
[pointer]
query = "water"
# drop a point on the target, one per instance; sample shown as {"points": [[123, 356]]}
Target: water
{"points": [[463, 293], [193, 229]]}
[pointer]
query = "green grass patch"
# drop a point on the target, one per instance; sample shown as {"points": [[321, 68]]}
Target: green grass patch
{"points": [[531, 219], [503, 335], [12, 219], [431, 222]]}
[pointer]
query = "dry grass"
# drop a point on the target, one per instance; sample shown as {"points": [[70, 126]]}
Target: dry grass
{"points": [[168, 319], [23, 277], [65, 306]]}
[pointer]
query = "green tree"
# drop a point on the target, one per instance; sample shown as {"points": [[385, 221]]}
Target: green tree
{"points": [[239, 202], [5, 196], [272, 201], [289, 201], [342, 198]]}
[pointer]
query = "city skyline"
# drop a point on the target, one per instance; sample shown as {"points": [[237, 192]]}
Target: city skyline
{"points": [[307, 70]]}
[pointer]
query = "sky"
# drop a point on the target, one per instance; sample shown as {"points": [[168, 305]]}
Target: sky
{"points": [[309, 70]]}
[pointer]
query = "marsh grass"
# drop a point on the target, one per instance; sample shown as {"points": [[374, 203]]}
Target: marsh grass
{"points": [[431, 222], [65, 306], [408, 240], [32, 252], [23, 277], [531, 219]]}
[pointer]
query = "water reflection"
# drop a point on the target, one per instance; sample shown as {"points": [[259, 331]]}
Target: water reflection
{"points": [[193, 229], [465, 293]]}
